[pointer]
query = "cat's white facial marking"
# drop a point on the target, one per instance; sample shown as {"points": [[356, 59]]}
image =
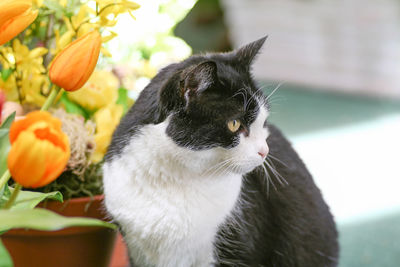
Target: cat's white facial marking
{"points": [[252, 149]]}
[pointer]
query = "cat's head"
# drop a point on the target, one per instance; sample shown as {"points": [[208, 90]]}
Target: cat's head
{"points": [[217, 111]]}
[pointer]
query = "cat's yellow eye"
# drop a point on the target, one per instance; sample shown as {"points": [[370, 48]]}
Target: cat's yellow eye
{"points": [[233, 125]]}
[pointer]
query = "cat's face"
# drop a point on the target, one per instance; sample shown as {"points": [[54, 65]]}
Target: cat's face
{"points": [[223, 115]]}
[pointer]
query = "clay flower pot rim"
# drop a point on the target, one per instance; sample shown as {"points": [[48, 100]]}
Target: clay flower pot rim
{"points": [[82, 207], [85, 199]]}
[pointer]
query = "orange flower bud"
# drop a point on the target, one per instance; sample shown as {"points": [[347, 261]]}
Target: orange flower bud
{"points": [[73, 66], [16, 24], [13, 8], [39, 149]]}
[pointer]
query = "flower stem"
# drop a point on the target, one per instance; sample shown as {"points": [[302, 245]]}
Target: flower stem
{"points": [[13, 196], [50, 99], [4, 178]]}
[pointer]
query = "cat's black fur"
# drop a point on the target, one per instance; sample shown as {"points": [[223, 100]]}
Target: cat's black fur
{"points": [[286, 226], [280, 225]]}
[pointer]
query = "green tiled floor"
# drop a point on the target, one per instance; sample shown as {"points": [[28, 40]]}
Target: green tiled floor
{"points": [[352, 147], [298, 110], [373, 242]]}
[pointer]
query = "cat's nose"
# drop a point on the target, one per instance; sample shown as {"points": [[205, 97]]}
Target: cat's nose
{"points": [[263, 151]]}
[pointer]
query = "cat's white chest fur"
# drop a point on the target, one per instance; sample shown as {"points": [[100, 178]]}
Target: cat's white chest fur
{"points": [[166, 203]]}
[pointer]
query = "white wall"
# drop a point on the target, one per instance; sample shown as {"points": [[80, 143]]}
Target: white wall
{"points": [[347, 45]]}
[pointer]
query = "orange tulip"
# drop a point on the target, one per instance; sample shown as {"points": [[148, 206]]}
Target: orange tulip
{"points": [[73, 66], [11, 26], [39, 150], [13, 8]]}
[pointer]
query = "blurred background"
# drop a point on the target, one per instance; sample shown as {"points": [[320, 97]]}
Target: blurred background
{"points": [[337, 66]]}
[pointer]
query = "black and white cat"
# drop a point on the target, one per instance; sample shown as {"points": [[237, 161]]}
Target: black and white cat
{"points": [[191, 181]]}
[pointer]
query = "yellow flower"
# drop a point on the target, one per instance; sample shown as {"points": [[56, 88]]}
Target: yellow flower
{"points": [[37, 3], [106, 120], [100, 90], [7, 60], [63, 2], [110, 9], [88, 27], [29, 61], [83, 15], [33, 86], [9, 86], [127, 4], [63, 40], [31, 73]]}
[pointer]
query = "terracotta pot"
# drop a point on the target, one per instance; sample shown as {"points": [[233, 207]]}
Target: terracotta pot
{"points": [[120, 256], [70, 247]]}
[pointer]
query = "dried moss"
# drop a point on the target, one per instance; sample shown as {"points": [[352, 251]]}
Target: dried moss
{"points": [[72, 185], [81, 138]]}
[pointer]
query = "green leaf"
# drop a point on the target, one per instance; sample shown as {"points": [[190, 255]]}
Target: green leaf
{"points": [[5, 258], [5, 74], [5, 195], [7, 122], [123, 98], [4, 133], [4, 149], [42, 219], [29, 200], [72, 107], [5, 142], [2, 191]]}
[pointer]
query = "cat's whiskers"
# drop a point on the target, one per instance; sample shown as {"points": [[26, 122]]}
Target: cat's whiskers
{"points": [[269, 179], [277, 159], [272, 168], [252, 98], [262, 99], [273, 91], [276, 100], [218, 167], [233, 167], [277, 175]]}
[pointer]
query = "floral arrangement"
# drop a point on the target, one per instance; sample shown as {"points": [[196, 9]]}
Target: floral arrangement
{"points": [[60, 102], [47, 45], [58, 113]]}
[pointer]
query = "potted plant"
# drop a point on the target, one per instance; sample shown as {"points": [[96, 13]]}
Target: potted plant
{"points": [[48, 51], [41, 30]]}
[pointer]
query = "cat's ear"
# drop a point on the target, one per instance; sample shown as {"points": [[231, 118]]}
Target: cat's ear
{"points": [[246, 54], [198, 79]]}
